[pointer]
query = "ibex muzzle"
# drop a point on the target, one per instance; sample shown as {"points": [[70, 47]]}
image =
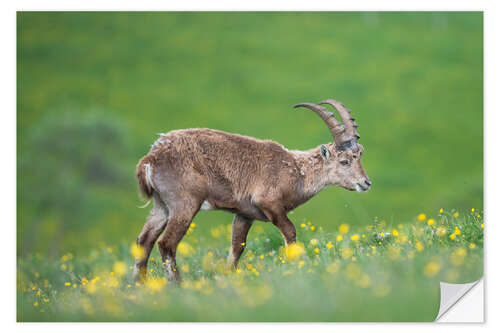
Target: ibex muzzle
{"points": [[192, 169]]}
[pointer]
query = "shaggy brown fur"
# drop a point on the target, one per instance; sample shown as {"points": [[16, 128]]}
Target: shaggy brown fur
{"points": [[192, 169]]}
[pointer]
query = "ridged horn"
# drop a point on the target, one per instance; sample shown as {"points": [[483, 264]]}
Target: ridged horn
{"points": [[345, 115], [338, 130]]}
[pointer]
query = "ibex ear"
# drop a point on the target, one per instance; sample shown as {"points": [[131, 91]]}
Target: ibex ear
{"points": [[325, 153]]}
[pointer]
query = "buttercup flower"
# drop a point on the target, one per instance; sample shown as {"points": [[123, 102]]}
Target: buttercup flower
{"points": [[294, 251], [344, 228]]}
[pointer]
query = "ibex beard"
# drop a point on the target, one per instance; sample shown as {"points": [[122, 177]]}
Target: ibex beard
{"points": [[192, 169]]}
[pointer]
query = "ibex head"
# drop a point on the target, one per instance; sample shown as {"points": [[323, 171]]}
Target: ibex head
{"points": [[343, 158]]}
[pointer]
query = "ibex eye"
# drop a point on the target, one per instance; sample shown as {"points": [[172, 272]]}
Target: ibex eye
{"points": [[344, 162]]}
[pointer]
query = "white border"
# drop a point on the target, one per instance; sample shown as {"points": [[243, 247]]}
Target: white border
{"points": [[226, 5], [8, 123]]}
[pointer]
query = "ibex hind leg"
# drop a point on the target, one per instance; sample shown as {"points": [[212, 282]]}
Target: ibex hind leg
{"points": [[154, 226], [179, 220]]}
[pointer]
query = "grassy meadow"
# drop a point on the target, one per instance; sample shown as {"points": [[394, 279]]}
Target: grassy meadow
{"points": [[377, 273], [95, 89]]}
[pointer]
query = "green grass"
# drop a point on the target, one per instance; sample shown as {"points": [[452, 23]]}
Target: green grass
{"points": [[381, 272]]}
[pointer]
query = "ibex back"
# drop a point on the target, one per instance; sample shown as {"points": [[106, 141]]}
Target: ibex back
{"points": [[192, 169]]}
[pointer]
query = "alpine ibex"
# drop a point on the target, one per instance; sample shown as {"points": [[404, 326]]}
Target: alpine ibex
{"points": [[192, 169]]}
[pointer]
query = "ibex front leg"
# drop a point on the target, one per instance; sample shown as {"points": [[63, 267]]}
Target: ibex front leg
{"points": [[241, 226], [277, 215], [286, 227]]}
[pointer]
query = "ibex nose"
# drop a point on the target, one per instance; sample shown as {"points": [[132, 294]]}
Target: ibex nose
{"points": [[368, 182]]}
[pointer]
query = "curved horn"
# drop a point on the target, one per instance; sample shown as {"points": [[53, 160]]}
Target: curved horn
{"points": [[335, 127], [345, 115]]}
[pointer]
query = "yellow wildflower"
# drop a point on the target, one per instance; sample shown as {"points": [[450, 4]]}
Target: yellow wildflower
{"points": [[364, 281], [312, 228], [472, 246], [215, 232], [333, 268], [457, 231], [344, 228], [316, 250], [120, 268], [185, 249], [329, 245], [441, 211], [441, 231], [458, 257], [137, 252], [339, 238], [302, 225], [431, 221], [431, 269], [309, 223], [455, 214], [419, 246], [313, 242], [353, 271], [472, 210], [395, 232], [452, 236], [421, 217], [67, 284], [35, 304], [155, 284], [355, 237], [294, 251], [346, 252]]}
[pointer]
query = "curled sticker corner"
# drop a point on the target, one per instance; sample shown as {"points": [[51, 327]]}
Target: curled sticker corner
{"points": [[451, 293]]}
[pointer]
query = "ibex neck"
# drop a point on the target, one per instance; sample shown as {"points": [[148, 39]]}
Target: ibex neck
{"points": [[311, 167]]}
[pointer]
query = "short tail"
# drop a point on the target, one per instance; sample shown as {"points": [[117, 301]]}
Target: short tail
{"points": [[144, 177]]}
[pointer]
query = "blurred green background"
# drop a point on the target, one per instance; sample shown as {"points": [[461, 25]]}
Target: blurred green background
{"points": [[94, 89]]}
